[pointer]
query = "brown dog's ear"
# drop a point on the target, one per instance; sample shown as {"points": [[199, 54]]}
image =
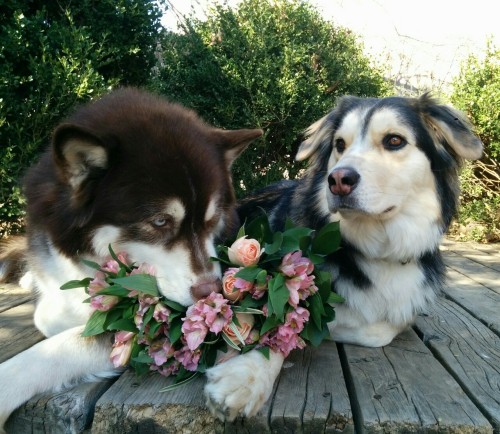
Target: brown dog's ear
{"points": [[81, 159], [451, 127], [235, 141]]}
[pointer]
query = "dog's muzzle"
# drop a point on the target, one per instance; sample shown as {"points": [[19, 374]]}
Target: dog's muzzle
{"points": [[343, 180], [204, 288]]}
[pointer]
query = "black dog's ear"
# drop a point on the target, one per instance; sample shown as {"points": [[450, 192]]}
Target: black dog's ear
{"points": [[234, 142], [315, 135], [451, 127], [80, 158]]}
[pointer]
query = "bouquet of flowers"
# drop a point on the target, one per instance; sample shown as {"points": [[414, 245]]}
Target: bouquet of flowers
{"points": [[273, 297]]}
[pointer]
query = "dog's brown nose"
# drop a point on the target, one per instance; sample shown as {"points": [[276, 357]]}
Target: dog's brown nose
{"points": [[204, 288], [343, 180]]}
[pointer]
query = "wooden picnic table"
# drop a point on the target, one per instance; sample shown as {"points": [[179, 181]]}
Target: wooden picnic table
{"points": [[442, 375]]}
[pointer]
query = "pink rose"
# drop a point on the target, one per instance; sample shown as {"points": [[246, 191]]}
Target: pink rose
{"points": [[228, 289], [246, 322], [245, 252]]}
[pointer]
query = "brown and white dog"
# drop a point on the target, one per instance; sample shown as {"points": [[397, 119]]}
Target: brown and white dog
{"points": [[144, 175]]}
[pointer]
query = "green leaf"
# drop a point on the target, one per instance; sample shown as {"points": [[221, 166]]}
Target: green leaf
{"points": [[125, 324], [241, 232], [278, 295], [323, 281], [259, 230], [249, 273], [333, 297], [229, 342], [144, 283], [275, 246], [316, 309], [235, 330], [175, 331], [264, 351], [261, 278], [91, 264], [249, 310], [292, 238], [95, 324], [174, 305], [270, 323], [180, 383], [313, 334], [84, 283], [327, 240], [117, 290], [142, 357]]}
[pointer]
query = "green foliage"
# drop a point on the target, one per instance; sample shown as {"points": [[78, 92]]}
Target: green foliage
{"points": [[277, 65], [477, 92], [54, 55]]}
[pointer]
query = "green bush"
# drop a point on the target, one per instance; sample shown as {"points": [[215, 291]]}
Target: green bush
{"points": [[54, 55], [276, 64], [476, 91]]}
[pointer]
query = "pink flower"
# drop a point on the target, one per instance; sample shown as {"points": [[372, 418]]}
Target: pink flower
{"points": [[170, 369], [208, 314], [145, 302], [286, 337], [161, 313], [160, 350], [246, 322], [144, 268], [299, 281], [228, 288], [195, 330], [122, 348], [103, 302], [245, 252], [293, 264], [111, 266], [97, 283], [188, 358]]}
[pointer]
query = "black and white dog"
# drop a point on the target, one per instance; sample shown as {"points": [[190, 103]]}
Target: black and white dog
{"points": [[387, 169]]}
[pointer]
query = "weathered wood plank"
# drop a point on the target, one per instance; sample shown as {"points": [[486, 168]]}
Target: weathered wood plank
{"points": [[482, 258], [469, 350], [13, 295], [484, 275], [66, 412], [402, 388], [17, 331], [479, 301], [311, 396], [483, 250], [135, 405]]}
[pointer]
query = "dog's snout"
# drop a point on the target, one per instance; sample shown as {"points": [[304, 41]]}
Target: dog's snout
{"points": [[204, 288], [343, 180]]}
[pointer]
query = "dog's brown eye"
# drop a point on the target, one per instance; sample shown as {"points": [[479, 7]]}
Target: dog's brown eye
{"points": [[394, 142], [340, 145]]}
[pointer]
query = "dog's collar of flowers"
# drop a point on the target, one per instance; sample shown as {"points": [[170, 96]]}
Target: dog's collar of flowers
{"points": [[273, 298]]}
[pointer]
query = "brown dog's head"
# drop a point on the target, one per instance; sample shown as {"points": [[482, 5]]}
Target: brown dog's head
{"points": [[146, 176]]}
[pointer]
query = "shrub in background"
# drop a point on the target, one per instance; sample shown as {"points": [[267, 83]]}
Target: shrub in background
{"points": [[275, 64], [476, 91], [54, 55]]}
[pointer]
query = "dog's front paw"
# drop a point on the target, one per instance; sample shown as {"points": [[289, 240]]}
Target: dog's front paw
{"points": [[241, 386]]}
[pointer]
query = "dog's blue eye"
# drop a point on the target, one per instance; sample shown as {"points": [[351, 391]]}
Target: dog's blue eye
{"points": [[393, 142], [160, 222], [340, 145]]}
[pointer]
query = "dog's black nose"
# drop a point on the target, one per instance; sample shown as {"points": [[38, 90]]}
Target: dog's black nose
{"points": [[343, 180], [204, 288]]}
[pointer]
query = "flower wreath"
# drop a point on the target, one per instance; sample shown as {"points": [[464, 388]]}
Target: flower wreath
{"points": [[273, 297]]}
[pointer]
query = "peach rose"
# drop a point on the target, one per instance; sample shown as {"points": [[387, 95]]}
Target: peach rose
{"points": [[246, 322], [245, 252], [228, 289]]}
